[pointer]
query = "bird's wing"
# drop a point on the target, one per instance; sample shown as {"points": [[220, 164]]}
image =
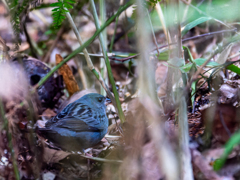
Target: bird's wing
{"points": [[76, 125], [77, 117]]}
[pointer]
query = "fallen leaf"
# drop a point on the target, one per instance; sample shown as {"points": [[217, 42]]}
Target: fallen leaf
{"points": [[68, 78]]}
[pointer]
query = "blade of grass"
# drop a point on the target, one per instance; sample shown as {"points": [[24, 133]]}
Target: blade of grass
{"points": [[107, 62]]}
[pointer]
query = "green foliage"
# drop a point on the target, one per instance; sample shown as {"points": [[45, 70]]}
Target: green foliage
{"points": [[15, 20], [233, 142], [18, 12], [62, 6], [148, 4], [152, 3], [194, 23]]}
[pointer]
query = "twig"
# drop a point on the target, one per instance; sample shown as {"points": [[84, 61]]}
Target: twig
{"points": [[186, 11], [161, 17], [224, 124], [185, 156], [46, 57], [98, 55], [102, 159], [184, 40], [103, 69], [154, 37]]}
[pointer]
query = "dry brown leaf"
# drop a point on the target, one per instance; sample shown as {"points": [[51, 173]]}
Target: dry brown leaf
{"points": [[54, 156], [224, 120], [68, 78], [160, 78]]}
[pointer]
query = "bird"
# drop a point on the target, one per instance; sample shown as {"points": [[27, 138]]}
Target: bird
{"points": [[80, 125]]}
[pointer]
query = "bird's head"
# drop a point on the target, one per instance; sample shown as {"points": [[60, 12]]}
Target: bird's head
{"points": [[95, 100]]}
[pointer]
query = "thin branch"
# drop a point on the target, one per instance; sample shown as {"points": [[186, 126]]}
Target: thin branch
{"points": [[102, 159], [184, 40], [102, 10], [154, 37], [46, 57], [161, 17]]}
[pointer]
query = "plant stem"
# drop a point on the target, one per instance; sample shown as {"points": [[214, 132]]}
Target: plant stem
{"points": [[87, 43], [109, 70], [9, 138], [112, 40], [102, 10]]}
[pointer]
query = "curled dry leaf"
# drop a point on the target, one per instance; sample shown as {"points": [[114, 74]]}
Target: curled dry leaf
{"points": [[53, 156], [228, 94], [69, 79]]}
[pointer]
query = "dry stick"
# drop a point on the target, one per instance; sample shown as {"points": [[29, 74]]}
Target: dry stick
{"points": [[224, 124], [161, 17], [102, 159], [185, 155], [46, 58], [98, 55], [103, 69], [107, 62], [154, 37], [186, 10], [81, 73]]}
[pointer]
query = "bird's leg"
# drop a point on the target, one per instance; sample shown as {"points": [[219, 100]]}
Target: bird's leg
{"points": [[86, 152]]}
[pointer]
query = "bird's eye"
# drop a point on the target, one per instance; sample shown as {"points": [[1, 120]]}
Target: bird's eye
{"points": [[100, 99]]}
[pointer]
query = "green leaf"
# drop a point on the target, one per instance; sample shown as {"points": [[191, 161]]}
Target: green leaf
{"points": [[200, 62], [68, 5], [130, 63], [193, 92], [70, 1], [56, 9], [232, 142], [222, 58], [186, 68], [189, 53], [163, 56], [55, 4], [64, 11], [194, 23], [234, 68]]}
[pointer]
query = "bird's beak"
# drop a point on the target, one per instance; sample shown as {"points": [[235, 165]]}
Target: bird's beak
{"points": [[108, 101]]}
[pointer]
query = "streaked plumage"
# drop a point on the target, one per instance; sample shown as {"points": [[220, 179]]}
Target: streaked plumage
{"points": [[80, 125]]}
